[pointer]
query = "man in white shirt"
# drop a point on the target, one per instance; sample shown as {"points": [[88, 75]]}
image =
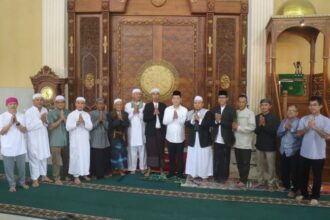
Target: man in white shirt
{"points": [[78, 124], [136, 138], [38, 143], [244, 131], [174, 118], [13, 145]]}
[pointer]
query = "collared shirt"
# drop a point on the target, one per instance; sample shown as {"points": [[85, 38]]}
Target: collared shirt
{"points": [[175, 127], [13, 142], [219, 139], [290, 142], [313, 145], [58, 137], [99, 133], [156, 105], [245, 130]]}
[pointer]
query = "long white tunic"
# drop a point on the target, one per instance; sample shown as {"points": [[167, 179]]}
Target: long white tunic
{"points": [[79, 143], [135, 131], [13, 143], [37, 135], [199, 159]]}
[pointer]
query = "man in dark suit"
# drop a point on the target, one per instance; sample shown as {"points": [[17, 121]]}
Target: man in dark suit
{"points": [[223, 136], [199, 156], [155, 131]]}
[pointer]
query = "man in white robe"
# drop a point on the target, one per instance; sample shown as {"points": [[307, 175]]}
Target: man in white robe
{"points": [[200, 155], [78, 125], [13, 144], [37, 139], [136, 137]]}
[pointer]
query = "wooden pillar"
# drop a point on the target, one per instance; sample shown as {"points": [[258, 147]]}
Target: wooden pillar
{"points": [[210, 58], [325, 72], [312, 62], [106, 45], [71, 53]]}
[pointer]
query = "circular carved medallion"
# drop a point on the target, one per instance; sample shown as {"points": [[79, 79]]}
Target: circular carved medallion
{"points": [[158, 3], [89, 80], [224, 82], [160, 75], [47, 93]]}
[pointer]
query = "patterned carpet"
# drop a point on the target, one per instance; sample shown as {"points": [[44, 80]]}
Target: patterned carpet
{"points": [[138, 197]]}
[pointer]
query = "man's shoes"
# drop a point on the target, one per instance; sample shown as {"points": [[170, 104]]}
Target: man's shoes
{"points": [[170, 175], [291, 194], [182, 176], [314, 202], [12, 189], [300, 198], [46, 179], [24, 186], [35, 183]]}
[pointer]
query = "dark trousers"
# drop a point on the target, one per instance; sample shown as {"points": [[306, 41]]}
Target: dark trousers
{"points": [[289, 171], [221, 162], [317, 167], [176, 157], [243, 157], [100, 162]]}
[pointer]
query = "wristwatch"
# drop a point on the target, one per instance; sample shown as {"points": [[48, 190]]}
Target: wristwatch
{"points": [[18, 124]]}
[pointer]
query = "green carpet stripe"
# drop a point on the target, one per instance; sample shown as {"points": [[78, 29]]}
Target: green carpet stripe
{"points": [[194, 195], [43, 213]]}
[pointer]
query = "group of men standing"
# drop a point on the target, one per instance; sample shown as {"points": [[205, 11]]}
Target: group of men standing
{"points": [[99, 143]]}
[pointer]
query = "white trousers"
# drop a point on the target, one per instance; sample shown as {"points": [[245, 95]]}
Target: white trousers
{"points": [[135, 153], [37, 167]]}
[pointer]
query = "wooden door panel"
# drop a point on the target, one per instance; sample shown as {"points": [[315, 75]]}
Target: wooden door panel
{"points": [[178, 41]]}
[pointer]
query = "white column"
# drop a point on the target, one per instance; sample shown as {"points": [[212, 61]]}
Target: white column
{"points": [[260, 12], [54, 35]]}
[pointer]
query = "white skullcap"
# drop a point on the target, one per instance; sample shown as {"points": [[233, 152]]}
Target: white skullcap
{"points": [[80, 99], [198, 98], [36, 96], [117, 100], [155, 90], [136, 90], [59, 98]]}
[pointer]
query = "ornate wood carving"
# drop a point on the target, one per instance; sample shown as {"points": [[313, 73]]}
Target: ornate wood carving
{"points": [[47, 78], [90, 59], [227, 54], [176, 40]]}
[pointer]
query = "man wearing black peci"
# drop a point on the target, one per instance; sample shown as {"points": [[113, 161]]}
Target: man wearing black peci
{"points": [[223, 136], [155, 131]]}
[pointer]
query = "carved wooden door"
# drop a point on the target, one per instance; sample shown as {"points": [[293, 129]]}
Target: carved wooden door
{"points": [[166, 52]]}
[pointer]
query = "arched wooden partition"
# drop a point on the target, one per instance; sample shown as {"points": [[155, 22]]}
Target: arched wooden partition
{"points": [[307, 27]]}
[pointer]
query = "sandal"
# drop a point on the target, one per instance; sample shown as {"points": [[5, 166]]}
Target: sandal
{"points": [[12, 189]]}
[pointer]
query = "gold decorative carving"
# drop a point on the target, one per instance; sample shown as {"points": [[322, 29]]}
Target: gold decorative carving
{"points": [[244, 46], [71, 45], [105, 44], [158, 3], [224, 81], [89, 80], [210, 45], [160, 74]]}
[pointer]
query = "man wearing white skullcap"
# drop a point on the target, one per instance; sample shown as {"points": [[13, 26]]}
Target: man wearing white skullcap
{"points": [[136, 138], [58, 139], [37, 139], [78, 125], [155, 131], [117, 132], [199, 156]]}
